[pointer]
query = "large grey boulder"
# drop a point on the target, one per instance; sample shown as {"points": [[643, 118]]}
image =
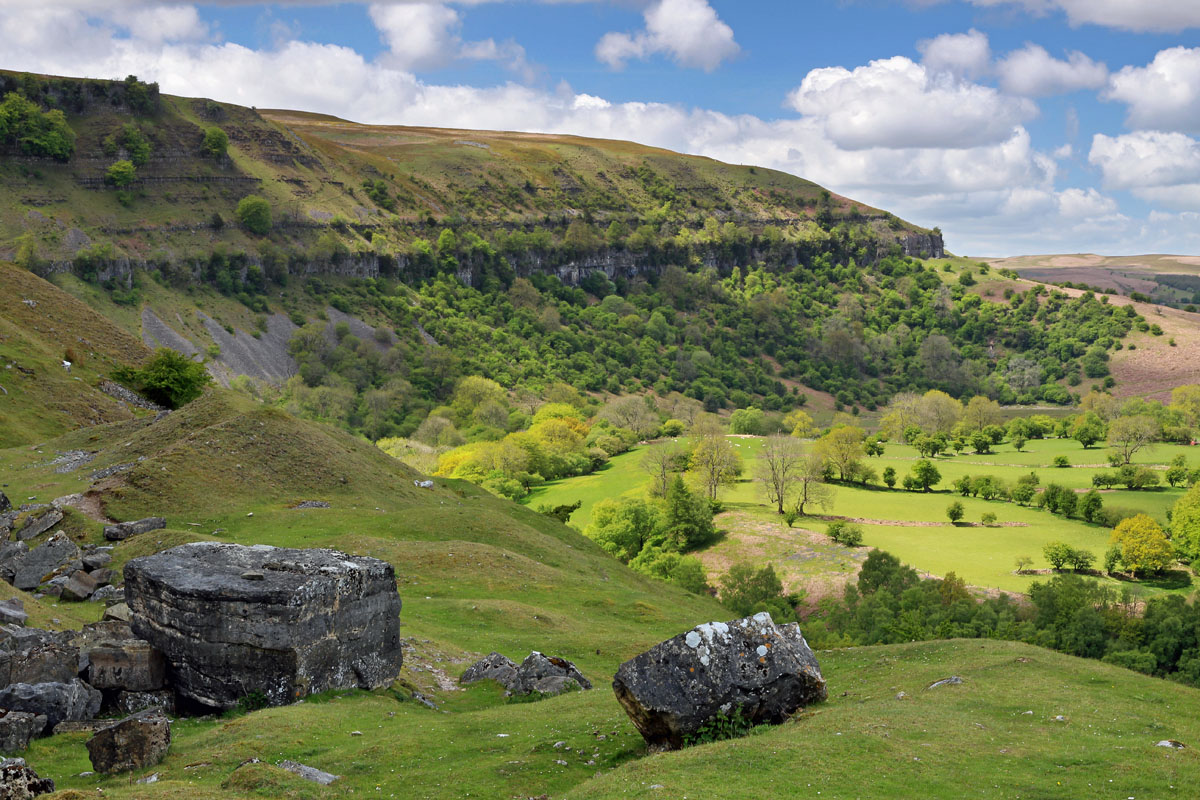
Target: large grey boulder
{"points": [[232, 620], [537, 673], [20, 782], [37, 524], [18, 728], [123, 530], [136, 742], [32, 655], [12, 612], [79, 586], [72, 701], [41, 561], [752, 667], [10, 554]]}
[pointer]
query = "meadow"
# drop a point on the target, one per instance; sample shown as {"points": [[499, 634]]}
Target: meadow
{"points": [[984, 556]]}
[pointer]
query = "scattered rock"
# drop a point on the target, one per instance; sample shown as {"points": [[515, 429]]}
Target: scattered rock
{"points": [[97, 559], [752, 667], [37, 525], [10, 554], [103, 576], [151, 778], [308, 773], [1170, 743], [136, 742], [123, 530], [57, 701], [548, 675], [79, 586], [118, 612], [311, 504], [12, 612], [902, 695], [493, 666], [131, 665], [20, 782], [318, 620], [423, 484], [5, 503], [71, 461], [32, 567], [953, 680], [17, 728]]}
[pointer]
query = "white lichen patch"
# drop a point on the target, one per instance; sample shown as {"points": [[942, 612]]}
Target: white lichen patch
{"points": [[692, 639]]}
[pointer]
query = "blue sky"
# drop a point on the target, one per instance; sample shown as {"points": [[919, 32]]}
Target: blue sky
{"points": [[1017, 126]]}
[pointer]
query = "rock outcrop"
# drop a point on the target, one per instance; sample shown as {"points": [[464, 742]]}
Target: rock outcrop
{"points": [[29, 569], [73, 701], [37, 524], [17, 728], [537, 673], [19, 782], [750, 667], [136, 742], [234, 620], [131, 665], [123, 530]]}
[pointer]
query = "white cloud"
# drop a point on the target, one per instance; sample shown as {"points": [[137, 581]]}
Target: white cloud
{"points": [[1085, 204], [900, 104], [1165, 94], [1162, 16], [1160, 167], [419, 35], [964, 54], [688, 30], [1032, 72]]}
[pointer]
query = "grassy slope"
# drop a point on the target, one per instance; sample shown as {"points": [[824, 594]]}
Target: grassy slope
{"points": [[971, 740], [983, 556], [42, 400]]}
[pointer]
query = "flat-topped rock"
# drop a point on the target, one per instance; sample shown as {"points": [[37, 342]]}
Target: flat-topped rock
{"points": [[306, 621], [31, 568], [59, 702], [37, 524], [136, 742]]}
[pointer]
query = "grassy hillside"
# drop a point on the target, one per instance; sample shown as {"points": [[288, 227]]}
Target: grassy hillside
{"points": [[40, 327]]}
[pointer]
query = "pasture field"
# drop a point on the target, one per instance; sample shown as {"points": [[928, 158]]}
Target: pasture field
{"points": [[911, 525]]}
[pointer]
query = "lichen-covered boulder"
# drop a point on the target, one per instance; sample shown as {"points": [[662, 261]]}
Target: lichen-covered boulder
{"points": [[29, 569], [136, 742], [235, 620], [751, 667], [493, 666], [58, 702], [548, 675], [17, 728], [19, 782]]}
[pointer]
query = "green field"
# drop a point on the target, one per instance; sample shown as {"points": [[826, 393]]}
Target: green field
{"points": [[983, 556]]}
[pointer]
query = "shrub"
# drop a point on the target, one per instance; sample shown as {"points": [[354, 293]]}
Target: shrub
{"points": [[170, 379], [254, 213], [1061, 462], [121, 173], [845, 533], [988, 518], [955, 511], [216, 143]]}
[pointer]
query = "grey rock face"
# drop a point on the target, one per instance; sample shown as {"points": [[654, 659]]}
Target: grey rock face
{"points": [[20, 782], [493, 666], [32, 655], [12, 612], [96, 559], [5, 503], [31, 568], [17, 728], [123, 530], [136, 742], [57, 701], [36, 525], [10, 554], [537, 673], [132, 665], [764, 671], [133, 702], [317, 620]]}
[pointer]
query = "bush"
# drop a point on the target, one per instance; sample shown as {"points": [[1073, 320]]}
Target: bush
{"points": [[170, 379], [44, 134], [216, 143], [254, 213], [1061, 462], [955, 511], [746, 590], [988, 518], [121, 173], [845, 533]]}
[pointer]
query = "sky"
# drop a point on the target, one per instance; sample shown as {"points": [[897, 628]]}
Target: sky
{"points": [[1016, 126]]}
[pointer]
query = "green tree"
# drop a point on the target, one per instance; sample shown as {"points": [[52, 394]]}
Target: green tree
{"points": [[121, 174], [1057, 553], [778, 469], [714, 461], [169, 378], [623, 526], [955, 511], [1144, 545], [747, 590], [215, 144], [254, 213], [748, 421], [1091, 506], [37, 133], [842, 448], [689, 518], [1088, 429], [1127, 435], [925, 475], [1185, 524], [889, 476]]}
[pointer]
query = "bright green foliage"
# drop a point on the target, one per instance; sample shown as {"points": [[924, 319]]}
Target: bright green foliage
{"points": [[1088, 429], [1144, 545], [688, 523], [35, 132], [845, 533], [121, 174], [254, 213], [1091, 507], [747, 589], [750, 421], [1185, 524], [215, 144], [925, 475], [133, 141], [623, 526], [378, 192], [955, 511], [1057, 553], [169, 378]]}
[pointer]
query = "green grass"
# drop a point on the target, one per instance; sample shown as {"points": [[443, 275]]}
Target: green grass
{"points": [[983, 556]]}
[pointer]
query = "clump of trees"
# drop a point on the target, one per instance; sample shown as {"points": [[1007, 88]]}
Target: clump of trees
{"points": [[254, 214], [35, 132], [169, 378]]}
